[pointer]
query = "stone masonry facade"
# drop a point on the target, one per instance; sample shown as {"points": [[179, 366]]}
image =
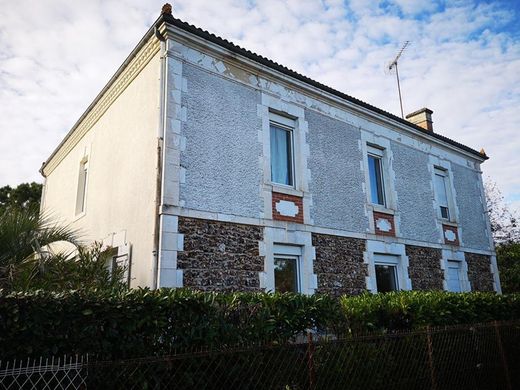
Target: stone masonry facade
{"points": [[224, 256], [220, 256], [479, 272], [339, 264], [424, 268]]}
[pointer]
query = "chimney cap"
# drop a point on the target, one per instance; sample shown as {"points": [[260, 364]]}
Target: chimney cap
{"points": [[166, 9], [420, 111]]}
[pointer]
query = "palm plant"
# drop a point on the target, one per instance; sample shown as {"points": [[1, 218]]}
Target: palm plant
{"points": [[23, 234]]}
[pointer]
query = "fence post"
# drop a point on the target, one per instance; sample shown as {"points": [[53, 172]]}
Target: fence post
{"points": [[430, 357], [310, 361], [502, 355]]}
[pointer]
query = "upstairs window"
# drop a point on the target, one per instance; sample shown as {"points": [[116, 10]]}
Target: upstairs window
{"points": [[441, 193], [375, 172], [81, 197], [282, 154]]}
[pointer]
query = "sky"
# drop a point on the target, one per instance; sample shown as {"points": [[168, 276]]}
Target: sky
{"points": [[463, 63]]}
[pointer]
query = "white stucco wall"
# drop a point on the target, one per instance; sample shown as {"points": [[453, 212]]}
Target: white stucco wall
{"points": [[121, 147]]}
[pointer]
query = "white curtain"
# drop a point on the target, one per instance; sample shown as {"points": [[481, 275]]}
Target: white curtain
{"points": [[280, 158]]}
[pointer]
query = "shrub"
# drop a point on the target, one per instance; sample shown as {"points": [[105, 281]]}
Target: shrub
{"points": [[116, 325]]}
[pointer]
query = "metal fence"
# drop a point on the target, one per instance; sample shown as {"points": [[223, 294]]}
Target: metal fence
{"points": [[485, 356]]}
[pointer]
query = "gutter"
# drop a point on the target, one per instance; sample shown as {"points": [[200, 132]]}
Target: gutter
{"points": [[159, 177]]}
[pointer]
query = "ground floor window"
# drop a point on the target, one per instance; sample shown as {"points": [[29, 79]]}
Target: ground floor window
{"points": [[454, 276], [286, 273], [386, 267]]}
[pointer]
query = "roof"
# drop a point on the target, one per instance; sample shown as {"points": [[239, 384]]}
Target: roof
{"points": [[168, 18]]}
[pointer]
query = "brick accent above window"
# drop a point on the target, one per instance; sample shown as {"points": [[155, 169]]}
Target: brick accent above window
{"points": [[384, 224], [450, 234], [287, 207]]}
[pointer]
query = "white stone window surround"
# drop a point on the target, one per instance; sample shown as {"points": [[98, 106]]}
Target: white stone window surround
{"points": [[279, 241], [374, 248], [82, 184], [436, 163], [273, 109], [369, 142], [458, 256]]}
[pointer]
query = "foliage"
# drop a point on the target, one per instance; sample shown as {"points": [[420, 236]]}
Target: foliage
{"points": [[508, 258], [23, 234], [86, 269], [24, 196], [504, 222], [415, 309], [141, 322]]}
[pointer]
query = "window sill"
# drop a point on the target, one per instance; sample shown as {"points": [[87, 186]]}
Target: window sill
{"points": [[79, 216], [285, 190], [381, 209], [448, 222]]}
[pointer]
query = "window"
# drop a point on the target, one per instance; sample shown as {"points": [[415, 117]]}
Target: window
{"points": [[375, 172], [453, 280], [386, 267], [282, 159], [441, 192], [81, 197], [286, 274]]}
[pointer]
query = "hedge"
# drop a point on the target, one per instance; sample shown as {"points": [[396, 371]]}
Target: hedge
{"points": [[146, 323]]}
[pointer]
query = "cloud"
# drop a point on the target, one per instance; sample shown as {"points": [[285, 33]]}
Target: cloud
{"points": [[463, 63]]}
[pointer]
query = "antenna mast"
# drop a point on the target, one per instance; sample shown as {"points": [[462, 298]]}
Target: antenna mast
{"points": [[394, 64]]}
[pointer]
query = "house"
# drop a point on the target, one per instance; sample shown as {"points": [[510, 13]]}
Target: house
{"points": [[204, 165]]}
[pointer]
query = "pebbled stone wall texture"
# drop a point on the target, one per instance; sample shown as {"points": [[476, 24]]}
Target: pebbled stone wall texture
{"points": [[414, 194], [471, 208], [479, 272], [222, 153], [336, 178], [339, 264], [220, 256], [424, 268]]}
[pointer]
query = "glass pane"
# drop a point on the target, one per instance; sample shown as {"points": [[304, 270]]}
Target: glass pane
{"points": [[386, 278], [281, 156], [376, 180], [442, 197], [285, 275], [453, 281], [445, 212]]}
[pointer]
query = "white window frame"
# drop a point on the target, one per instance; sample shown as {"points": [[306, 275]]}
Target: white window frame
{"points": [[297, 261], [439, 171], [82, 188], [390, 260], [378, 153], [289, 125]]}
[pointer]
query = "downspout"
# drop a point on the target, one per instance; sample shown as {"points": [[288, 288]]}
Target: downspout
{"points": [[160, 141]]}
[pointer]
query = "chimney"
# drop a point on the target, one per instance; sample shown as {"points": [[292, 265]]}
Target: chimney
{"points": [[422, 117]]}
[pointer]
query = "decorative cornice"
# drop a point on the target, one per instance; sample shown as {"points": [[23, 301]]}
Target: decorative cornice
{"points": [[101, 104]]}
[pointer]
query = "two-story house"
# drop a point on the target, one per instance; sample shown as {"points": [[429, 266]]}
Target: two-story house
{"points": [[207, 166]]}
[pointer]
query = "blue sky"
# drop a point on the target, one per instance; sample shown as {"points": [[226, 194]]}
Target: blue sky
{"points": [[463, 63]]}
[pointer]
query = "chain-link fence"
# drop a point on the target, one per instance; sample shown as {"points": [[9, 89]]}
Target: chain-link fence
{"points": [[485, 356]]}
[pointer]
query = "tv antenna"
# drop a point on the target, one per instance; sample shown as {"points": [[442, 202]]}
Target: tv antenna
{"points": [[393, 65]]}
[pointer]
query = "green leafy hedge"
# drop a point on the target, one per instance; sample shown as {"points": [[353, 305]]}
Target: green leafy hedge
{"points": [[146, 323]]}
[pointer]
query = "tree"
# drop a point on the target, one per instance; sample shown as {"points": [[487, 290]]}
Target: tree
{"points": [[504, 222], [27, 263], [25, 196], [506, 234], [508, 258]]}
